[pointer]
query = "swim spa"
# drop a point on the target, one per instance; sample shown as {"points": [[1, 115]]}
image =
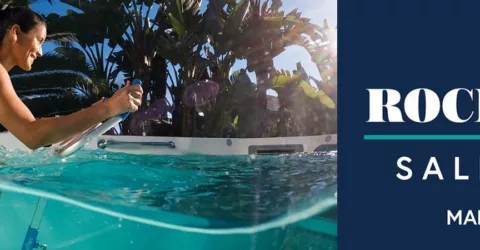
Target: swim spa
{"points": [[262, 194]]}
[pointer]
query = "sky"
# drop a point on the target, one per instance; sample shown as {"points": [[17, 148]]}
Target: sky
{"points": [[316, 10]]}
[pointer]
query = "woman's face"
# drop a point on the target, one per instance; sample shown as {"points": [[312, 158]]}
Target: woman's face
{"points": [[28, 46]]}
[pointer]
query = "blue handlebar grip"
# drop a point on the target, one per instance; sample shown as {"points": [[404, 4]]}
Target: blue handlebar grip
{"points": [[136, 82], [125, 115]]}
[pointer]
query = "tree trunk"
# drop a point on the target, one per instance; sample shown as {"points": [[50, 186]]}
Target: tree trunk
{"points": [[261, 104]]}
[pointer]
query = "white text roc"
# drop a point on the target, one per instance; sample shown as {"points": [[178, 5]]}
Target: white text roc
{"points": [[433, 105]]}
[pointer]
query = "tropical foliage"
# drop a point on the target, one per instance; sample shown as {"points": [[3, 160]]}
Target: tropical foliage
{"points": [[188, 55]]}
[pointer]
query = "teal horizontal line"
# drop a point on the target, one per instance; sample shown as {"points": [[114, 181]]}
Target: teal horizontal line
{"points": [[421, 137]]}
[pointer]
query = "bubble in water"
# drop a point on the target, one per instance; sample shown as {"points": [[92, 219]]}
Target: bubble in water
{"points": [[131, 242], [200, 93], [120, 219], [273, 103], [119, 225]]}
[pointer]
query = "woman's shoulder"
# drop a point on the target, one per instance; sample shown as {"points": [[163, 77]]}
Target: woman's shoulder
{"points": [[3, 73], [4, 78], [3, 70]]}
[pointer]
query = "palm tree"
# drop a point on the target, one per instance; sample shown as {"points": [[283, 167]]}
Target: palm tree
{"points": [[95, 27], [202, 46], [133, 37], [182, 46], [321, 45], [255, 32], [229, 31], [300, 103]]}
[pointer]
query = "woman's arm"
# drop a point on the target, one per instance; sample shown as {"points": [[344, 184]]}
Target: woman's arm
{"points": [[18, 119], [71, 137]]}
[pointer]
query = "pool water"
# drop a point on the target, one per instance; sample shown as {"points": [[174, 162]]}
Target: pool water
{"points": [[104, 200]]}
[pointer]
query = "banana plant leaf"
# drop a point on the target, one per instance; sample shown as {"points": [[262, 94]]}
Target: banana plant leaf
{"points": [[184, 15], [283, 79]]}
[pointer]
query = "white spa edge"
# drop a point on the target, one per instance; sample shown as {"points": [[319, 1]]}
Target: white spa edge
{"points": [[188, 145]]}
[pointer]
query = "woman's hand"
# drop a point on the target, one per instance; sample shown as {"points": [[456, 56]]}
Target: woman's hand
{"points": [[127, 99]]}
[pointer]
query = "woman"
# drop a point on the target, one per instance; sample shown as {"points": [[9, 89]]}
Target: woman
{"points": [[22, 33]]}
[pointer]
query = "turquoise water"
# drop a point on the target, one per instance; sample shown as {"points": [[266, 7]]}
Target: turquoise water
{"points": [[104, 200]]}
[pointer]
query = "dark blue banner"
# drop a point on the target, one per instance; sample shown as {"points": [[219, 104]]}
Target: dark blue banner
{"points": [[409, 124]]}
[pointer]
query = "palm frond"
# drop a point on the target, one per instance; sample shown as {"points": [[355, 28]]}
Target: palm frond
{"points": [[55, 61], [85, 92], [49, 79], [26, 93], [55, 103], [63, 39], [59, 84]]}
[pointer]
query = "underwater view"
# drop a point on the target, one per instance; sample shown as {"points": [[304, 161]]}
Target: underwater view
{"points": [[97, 200]]}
